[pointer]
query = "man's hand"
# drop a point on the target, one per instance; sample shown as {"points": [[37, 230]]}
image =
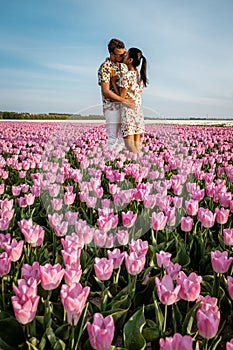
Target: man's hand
{"points": [[129, 102]]}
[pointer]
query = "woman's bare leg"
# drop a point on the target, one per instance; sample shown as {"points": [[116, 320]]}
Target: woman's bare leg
{"points": [[137, 142], [130, 143]]}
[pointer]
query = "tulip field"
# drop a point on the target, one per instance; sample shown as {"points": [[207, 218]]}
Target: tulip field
{"points": [[113, 250]]}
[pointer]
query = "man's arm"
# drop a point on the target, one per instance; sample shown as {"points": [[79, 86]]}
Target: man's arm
{"points": [[107, 93]]}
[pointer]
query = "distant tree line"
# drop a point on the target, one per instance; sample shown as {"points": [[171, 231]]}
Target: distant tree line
{"points": [[49, 116]]}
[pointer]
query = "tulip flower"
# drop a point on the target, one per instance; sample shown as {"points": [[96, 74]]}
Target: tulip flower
{"points": [[206, 217], [228, 236], [191, 207], [5, 264], [134, 264], [103, 268], [220, 262], [172, 269], [26, 300], [69, 198], [177, 342], [208, 319], [128, 219], [51, 276], [116, 256], [222, 215], [167, 293], [2, 188], [101, 331], [190, 286], [73, 299], [122, 237], [229, 345], [163, 258], [29, 271], [158, 221], [186, 223], [230, 286], [139, 246], [14, 249], [34, 234], [72, 274]]}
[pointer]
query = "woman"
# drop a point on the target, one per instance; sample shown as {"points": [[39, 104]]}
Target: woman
{"points": [[130, 85]]}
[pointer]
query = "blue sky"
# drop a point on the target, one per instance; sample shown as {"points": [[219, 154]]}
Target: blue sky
{"points": [[50, 51]]}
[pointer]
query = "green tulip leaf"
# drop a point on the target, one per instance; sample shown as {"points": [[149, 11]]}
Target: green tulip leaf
{"points": [[132, 332], [151, 333], [188, 322], [11, 333], [56, 343]]}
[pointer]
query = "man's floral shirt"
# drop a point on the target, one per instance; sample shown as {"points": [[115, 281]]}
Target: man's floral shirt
{"points": [[104, 76]]}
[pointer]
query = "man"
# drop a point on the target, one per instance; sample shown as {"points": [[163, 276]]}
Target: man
{"points": [[111, 101]]}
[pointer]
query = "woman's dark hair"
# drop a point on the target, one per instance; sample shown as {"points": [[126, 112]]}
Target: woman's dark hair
{"points": [[138, 57], [115, 44]]}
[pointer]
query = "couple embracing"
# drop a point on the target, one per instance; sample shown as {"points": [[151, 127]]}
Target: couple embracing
{"points": [[121, 86]]}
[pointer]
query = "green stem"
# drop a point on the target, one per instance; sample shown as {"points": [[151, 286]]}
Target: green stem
{"points": [[104, 297], [72, 337], [165, 319], [3, 294]]}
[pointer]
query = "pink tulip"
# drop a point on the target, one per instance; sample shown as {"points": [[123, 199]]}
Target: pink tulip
{"points": [[4, 239], [220, 262], [230, 286], [208, 319], [134, 264], [26, 300], [57, 203], [71, 256], [15, 190], [229, 345], [72, 274], [158, 221], [51, 276], [150, 201], [191, 207], [2, 189], [177, 342], [4, 224], [14, 250], [198, 194], [163, 258], [34, 234], [228, 236], [29, 198], [222, 215], [71, 217], [69, 198], [22, 202], [206, 217], [103, 268], [173, 269], [5, 264], [73, 299], [128, 219], [167, 293], [116, 256], [139, 247], [29, 271], [186, 223], [190, 286], [122, 237], [101, 331]]}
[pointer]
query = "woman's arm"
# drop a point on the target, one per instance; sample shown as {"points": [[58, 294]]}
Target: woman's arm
{"points": [[107, 93]]}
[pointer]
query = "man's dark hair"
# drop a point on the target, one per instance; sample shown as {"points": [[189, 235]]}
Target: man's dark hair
{"points": [[115, 44]]}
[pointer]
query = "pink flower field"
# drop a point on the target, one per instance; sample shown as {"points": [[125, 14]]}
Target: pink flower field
{"points": [[111, 250]]}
